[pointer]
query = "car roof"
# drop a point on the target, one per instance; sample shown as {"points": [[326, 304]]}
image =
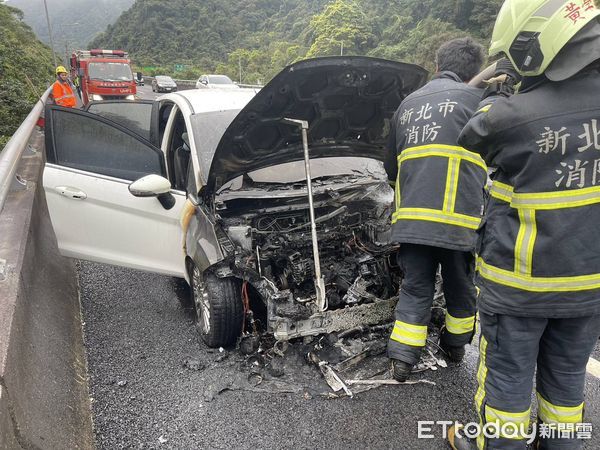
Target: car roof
{"points": [[209, 100]]}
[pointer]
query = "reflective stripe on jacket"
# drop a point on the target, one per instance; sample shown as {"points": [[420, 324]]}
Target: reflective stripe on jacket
{"points": [[439, 185], [540, 250], [63, 94]]}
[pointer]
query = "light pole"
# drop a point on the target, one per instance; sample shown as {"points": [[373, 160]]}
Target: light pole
{"points": [[341, 45], [50, 33]]}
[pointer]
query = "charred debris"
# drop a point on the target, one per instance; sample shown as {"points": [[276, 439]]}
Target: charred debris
{"points": [[334, 365]]}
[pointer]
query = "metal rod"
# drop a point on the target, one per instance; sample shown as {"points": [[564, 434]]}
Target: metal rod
{"points": [[50, 33], [319, 281], [11, 155]]}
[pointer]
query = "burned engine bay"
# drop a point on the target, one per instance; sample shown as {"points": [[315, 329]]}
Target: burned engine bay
{"points": [[268, 242], [264, 229]]}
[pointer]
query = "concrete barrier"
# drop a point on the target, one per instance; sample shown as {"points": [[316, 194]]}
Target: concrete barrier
{"points": [[44, 399], [182, 85]]}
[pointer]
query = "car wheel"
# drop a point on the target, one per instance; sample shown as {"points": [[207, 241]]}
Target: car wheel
{"points": [[219, 310]]}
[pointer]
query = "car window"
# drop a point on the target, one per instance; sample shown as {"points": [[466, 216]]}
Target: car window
{"points": [[110, 71], [208, 129], [220, 79], [83, 141], [136, 116]]}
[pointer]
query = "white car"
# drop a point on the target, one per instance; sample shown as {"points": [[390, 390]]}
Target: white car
{"points": [[215, 82], [210, 186]]}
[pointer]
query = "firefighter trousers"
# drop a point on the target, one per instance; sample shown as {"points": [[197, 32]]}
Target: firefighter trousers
{"points": [[413, 311], [509, 349]]}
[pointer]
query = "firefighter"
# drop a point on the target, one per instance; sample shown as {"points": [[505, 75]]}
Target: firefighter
{"points": [[539, 261], [438, 206], [62, 90]]}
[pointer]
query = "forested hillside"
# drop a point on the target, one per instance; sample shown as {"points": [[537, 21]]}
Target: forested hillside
{"points": [[22, 56], [74, 22], [262, 36]]}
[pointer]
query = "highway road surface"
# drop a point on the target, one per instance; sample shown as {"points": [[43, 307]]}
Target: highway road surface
{"points": [[155, 385]]}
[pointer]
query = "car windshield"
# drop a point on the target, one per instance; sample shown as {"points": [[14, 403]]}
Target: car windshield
{"points": [[219, 79], [293, 172], [108, 71], [164, 79]]}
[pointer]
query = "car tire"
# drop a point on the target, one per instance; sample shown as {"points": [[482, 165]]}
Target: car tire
{"points": [[219, 309]]}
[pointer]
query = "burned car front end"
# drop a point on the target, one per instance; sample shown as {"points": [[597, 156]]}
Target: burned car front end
{"points": [[301, 217], [268, 224]]}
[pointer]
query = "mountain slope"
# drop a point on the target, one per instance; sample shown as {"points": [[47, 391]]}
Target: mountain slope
{"points": [[198, 32], [74, 22], [21, 56], [259, 37]]}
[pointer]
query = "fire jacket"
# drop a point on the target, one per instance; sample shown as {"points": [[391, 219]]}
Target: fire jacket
{"points": [[63, 94], [540, 248], [438, 185]]}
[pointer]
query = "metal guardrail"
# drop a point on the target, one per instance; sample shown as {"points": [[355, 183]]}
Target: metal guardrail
{"points": [[11, 155], [192, 83]]}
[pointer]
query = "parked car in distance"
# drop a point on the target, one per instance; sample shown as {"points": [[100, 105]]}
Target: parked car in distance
{"points": [[163, 83], [210, 186], [215, 82]]}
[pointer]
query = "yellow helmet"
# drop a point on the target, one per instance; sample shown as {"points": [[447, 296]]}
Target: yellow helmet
{"points": [[532, 32], [61, 69]]}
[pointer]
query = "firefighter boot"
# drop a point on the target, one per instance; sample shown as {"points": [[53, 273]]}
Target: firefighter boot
{"points": [[401, 370], [458, 441], [455, 353]]}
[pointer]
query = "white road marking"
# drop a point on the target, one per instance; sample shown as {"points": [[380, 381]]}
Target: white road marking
{"points": [[593, 367]]}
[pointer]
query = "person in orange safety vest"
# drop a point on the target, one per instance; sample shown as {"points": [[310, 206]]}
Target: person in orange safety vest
{"points": [[62, 90]]}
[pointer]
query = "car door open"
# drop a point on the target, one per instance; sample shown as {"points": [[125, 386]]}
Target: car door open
{"points": [[91, 161]]}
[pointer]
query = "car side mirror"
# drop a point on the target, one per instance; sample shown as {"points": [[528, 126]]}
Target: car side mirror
{"points": [[154, 186]]}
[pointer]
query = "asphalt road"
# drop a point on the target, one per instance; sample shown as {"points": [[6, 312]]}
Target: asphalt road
{"points": [[145, 92], [155, 385]]}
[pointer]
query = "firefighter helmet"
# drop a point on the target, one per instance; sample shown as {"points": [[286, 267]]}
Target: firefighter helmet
{"points": [[532, 32], [61, 69]]}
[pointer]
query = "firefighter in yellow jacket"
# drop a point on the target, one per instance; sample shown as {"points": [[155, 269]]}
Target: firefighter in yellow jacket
{"points": [[438, 205], [539, 261]]}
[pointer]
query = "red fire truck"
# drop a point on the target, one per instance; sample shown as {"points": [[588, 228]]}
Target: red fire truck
{"points": [[103, 75]]}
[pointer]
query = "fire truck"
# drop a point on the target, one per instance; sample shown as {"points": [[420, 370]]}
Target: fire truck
{"points": [[103, 75]]}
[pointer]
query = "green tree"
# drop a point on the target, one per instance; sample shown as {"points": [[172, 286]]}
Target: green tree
{"points": [[419, 44], [342, 24], [22, 56]]}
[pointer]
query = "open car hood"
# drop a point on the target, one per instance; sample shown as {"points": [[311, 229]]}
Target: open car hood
{"points": [[347, 101]]}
